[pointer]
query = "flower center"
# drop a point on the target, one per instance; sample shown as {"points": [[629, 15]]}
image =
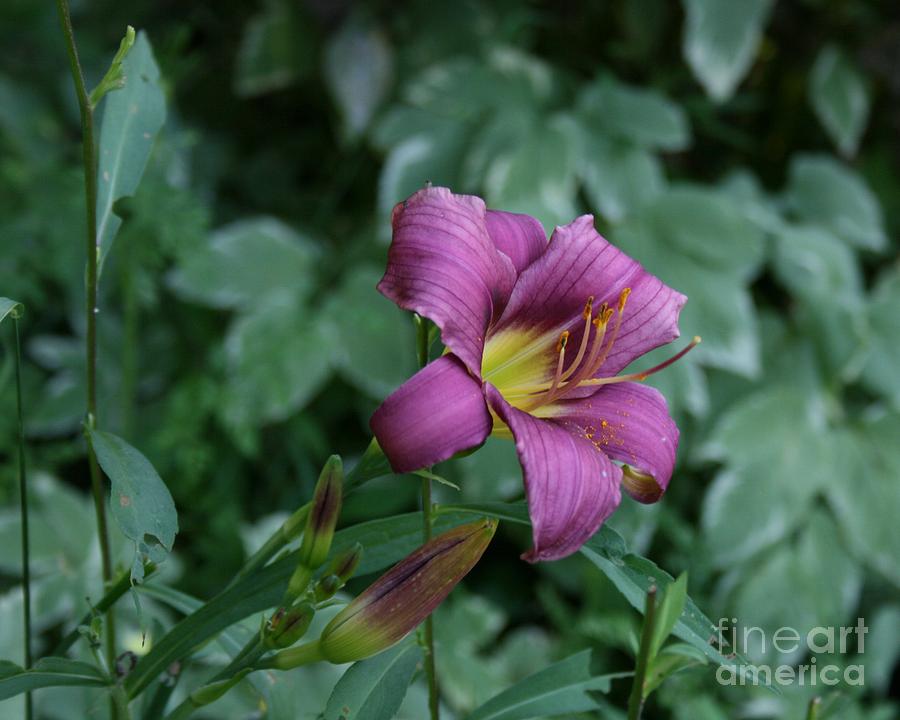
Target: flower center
{"points": [[597, 340]]}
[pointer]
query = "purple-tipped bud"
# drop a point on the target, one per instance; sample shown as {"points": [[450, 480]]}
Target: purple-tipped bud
{"points": [[323, 515], [403, 597], [288, 625], [327, 586]]}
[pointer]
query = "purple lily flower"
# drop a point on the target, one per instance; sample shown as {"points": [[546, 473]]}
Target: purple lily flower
{"points": [[536, 334]]}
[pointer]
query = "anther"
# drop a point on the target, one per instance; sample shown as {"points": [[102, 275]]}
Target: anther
{"points": [[623, 298], [563, 339], [588, 308]]}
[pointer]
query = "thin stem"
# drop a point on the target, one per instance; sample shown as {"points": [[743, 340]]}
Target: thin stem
{"points": [[112, 596], [427, 510], [89, 160], [636, 701], [23, 500], [812, 711], [430, 667]]}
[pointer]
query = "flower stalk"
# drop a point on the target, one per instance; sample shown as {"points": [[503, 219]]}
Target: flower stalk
{"points": [[434, 702], [23, 505], [636, 699], [89, 160]]}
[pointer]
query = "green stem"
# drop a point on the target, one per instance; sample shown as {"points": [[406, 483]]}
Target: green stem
{"points": [[89, 160], [23, 500], [112, 596], [427, 520], [430, 667], [812, 710], [636, 700]]}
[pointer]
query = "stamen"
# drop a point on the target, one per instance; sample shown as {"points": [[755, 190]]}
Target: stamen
{"points": [[586, 314], [561, 349], [641, 376], [598, 362]]}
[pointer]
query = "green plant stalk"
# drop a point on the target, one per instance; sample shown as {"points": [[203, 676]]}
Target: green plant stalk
{"points": [[112, 596], [246, 658], [89, 159], [636, 700], [23, 504], [812, 710], [427, 509]]}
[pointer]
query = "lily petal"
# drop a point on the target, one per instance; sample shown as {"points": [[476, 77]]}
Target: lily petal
{"points": [[520, 237], [550, 294], [443, 265], [571, 486], [438, 412], [629, 422]]}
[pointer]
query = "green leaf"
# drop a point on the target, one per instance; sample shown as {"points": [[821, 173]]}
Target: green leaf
{"points": [[822, 191], [538, 176], [139, 500], [431, 155], [359, 320], [277, 359], [618, 177], [700, 243], [48, 672], [777, 452], [642, 117], [244, 262], [670, 609], [863, 486], [880, 371], [720, 41], [131, 120], [358, 72], [12, 308], [840, 97], [275, 50], [672, 659], [374, 689], [808, 581], [567, 686]]}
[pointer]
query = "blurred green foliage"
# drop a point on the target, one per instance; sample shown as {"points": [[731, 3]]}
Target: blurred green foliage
{"points": [[745, 152]]}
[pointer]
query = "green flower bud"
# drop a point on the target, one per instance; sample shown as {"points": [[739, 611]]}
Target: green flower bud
{"points": [[338, 572], [323, 516], [287, 626], [212, 692], [327, 586], [399, 600]]}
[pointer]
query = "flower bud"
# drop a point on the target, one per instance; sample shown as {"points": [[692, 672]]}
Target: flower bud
{"points": [[338, 572], [287, 626], [323, 515], [212, 692], [399, 600]]}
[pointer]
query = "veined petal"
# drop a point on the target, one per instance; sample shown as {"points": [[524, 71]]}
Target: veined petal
{"points": [[443, 265], [571, 486], [629, 422], [550, 295], [520, 237], [438, 412]]}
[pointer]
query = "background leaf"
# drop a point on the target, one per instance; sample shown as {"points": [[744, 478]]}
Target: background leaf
{"points": [[720, 41], [840, 98]]}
